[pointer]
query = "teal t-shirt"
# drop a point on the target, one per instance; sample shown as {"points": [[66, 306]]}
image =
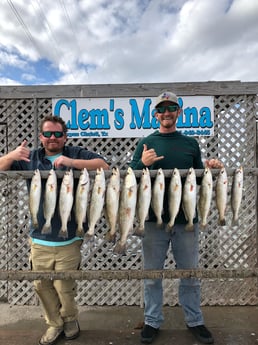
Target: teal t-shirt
{"points": [[179, 151]]}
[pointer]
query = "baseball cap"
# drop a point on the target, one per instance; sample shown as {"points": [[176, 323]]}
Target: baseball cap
{"points": [[166, 96]]}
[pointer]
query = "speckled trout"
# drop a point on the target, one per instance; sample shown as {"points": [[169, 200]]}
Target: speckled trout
{"points": [[205, 197], [189, 199], [236, 194], [65, 202], [221, 195], [143, 201], [174, 197], [112, 204], [34, 198], [126, 210], [97, 201], [157, 197], [81, 201], [50, 197]]}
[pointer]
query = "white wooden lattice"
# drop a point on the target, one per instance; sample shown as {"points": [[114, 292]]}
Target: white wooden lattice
{"points": [[227, 247]]}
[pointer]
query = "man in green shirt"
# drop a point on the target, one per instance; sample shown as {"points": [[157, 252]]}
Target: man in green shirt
{"points": [[167, 148]]}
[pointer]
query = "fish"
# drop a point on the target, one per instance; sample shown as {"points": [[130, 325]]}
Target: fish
{"points": [[174, 197], [112, 204], [189, 198], [126, 212], [34, 197], [81, 201], [50, 197], [157, 197], [66, 202], [236, 194], [205, 197], [221, 195], [143, 201], [97, 201]]}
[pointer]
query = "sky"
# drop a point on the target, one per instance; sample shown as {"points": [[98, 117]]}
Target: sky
{"points": [[46, 42]]}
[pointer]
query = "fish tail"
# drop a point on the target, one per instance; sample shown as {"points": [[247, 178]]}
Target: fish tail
{"points": [[159, 223], [89, 234], [169, 226], [235, 222], [63, 233], [203, 226], [46, 228], [139, 231], [35, 223], [110, 237], [79, 232], [120, 248], [189, 227], [222, 222]]}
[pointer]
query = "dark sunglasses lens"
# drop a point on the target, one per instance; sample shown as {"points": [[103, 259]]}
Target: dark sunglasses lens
{"points": [[171, 108], [48, 134], [58, 134]]}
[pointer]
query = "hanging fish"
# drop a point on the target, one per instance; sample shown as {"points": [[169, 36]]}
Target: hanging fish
{"points": [[65, 202], [34, 198], [112, 204], [221, 195], [81, 201], [50, 197], [174, 197], [189, 198], [157, 197], [97, 201], [143, 201], [126, 210], [236, 194], [205, 197]]}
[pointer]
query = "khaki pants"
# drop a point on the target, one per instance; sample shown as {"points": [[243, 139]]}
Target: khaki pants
{"points": [[56, 296]]}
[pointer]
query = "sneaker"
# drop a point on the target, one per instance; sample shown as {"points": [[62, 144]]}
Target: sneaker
{"points": [[50, 336], [148, 334], [71, 329], [202, 334]]}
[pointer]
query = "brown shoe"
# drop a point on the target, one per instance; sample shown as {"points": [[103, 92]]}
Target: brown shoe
{"points": [[50, 336], [71, 329]]}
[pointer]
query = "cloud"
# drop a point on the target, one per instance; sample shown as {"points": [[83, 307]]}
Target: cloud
{"points": [[69, 42]]}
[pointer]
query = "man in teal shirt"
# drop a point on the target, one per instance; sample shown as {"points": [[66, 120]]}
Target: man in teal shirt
{"points": [[167, 148]]}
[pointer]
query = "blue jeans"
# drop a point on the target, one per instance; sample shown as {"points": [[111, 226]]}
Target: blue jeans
{"points": [[185, 249]]}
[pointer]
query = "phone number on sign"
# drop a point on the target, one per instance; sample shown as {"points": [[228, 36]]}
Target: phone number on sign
{"points": [[197, 132]]}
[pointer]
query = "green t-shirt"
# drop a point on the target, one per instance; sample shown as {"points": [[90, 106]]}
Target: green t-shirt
{"points": [[179, 151]]}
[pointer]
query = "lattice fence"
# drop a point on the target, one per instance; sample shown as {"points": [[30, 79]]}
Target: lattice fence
{"points": [[220, 247]]}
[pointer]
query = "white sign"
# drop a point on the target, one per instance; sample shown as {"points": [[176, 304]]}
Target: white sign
{"points": [[131, 117]]}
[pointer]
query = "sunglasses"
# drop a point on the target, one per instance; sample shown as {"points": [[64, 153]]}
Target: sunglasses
{"points": [[57, 134], [170, 108]]}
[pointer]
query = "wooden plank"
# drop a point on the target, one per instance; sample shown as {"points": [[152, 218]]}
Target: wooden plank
{"points": [[212, 88], [129, 274]]}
